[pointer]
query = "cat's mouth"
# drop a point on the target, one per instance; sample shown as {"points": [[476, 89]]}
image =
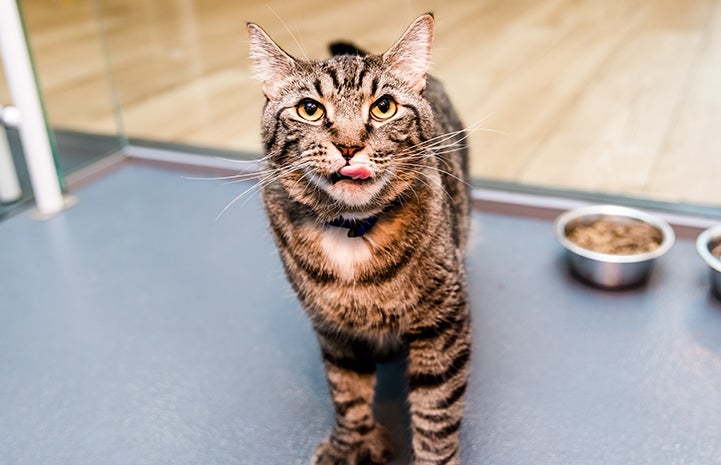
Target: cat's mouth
{"points": [[354, 187], [355, 172], [336, 177]]}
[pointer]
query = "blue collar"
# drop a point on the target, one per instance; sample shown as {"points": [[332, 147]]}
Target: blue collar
{"points": [[356, 228]]}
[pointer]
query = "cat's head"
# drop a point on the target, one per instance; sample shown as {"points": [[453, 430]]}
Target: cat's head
{"points": [[341, 135]]}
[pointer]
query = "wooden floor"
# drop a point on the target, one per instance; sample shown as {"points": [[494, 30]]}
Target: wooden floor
{"points": [[602, 95]]}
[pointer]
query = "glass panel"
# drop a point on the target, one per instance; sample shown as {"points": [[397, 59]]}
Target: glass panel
{"points": [[181, 73], [603, 97], [67, 49]]}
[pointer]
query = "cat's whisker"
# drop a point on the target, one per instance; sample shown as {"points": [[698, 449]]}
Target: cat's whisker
{"points": [[285, 25], [238, 161], [426, 180], [458, 144], [448, 135], [435, 140], [429, 150], [442, 138], [233, 177], [435, 143], [253, 169], [438, 156], [417, 157], [236, 199], [238, 181], [302, 168], [494, 131], [307, 184], [272, 176], [293, 168], [441, 149], [276, 175], [440, 170]]}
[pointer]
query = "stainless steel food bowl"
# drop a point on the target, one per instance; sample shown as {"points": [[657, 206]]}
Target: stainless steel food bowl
{"points": [[610, 270], [706, 242]]}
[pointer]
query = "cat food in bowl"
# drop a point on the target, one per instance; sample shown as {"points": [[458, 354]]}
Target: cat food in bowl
{"points": [[612, 246], [708, 246]]}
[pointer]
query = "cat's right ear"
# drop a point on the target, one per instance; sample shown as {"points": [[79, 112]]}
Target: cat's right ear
{"points": [[410, 57], [271, 64]]}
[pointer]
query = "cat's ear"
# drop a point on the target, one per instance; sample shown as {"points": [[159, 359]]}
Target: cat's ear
{"points": [[271, 64], [410, 57]]}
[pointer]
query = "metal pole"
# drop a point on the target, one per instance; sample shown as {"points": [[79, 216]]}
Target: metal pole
{"points": [[10, 190], [24, 93]]}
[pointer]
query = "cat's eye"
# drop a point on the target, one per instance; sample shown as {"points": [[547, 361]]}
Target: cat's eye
{"points": [[383, 108], [310, 110]]}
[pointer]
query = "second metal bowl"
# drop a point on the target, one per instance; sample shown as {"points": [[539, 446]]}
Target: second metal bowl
{"points": [[708, 241], [610, 270]]}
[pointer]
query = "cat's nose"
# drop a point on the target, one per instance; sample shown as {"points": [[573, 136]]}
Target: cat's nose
{"points": [[348, 151]]}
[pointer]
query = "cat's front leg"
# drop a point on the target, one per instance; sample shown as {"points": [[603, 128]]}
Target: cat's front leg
{"points": [[356, 438], [438, 364]]}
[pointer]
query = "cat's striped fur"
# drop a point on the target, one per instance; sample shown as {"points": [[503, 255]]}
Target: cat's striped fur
{"points": [[337, 149]]}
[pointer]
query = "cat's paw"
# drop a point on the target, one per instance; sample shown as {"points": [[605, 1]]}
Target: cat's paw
{"points": [[373, 448], [453, 461]]}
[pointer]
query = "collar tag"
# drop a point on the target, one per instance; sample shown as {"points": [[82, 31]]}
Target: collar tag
{"points": [[356, 228]]}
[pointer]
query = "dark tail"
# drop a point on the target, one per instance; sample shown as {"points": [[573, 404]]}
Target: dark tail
{"points": [[345, 48]]}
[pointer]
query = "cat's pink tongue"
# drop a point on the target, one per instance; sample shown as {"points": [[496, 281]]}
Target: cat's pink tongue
{"points": [[358, 171]]}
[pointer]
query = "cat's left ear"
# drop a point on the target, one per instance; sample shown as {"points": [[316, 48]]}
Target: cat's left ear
{"points": [[271, 64], [410, 57]]}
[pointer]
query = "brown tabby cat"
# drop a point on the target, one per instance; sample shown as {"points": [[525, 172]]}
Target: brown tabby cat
{"points": [[369, 206]]}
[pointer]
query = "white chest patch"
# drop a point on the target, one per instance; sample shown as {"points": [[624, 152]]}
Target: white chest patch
{"points": [[343, 252]]}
